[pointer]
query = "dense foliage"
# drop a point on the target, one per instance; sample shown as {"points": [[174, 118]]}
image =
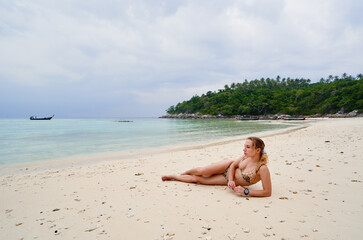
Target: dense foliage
{"points": [[286, 96]]}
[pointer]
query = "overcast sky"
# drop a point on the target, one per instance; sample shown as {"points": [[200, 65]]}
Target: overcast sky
{"points": [[119, 58]]}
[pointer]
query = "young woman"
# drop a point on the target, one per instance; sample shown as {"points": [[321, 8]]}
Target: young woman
{"points": [[247, 170]]}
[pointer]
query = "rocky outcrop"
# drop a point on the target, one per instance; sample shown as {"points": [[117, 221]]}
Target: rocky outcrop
{"points": [[261, 117], [239, 117], [194, 116], [340, 114]]}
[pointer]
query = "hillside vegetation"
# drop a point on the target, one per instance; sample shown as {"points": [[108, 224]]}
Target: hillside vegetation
{"points": [[284, 96]]}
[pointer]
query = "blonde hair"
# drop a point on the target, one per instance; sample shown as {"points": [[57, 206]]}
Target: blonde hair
{"points": [[258, 143]]}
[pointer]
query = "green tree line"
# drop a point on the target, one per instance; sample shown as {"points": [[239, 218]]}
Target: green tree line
{"points": [[280, 95]]}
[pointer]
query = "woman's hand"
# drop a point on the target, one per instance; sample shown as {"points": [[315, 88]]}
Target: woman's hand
{"points": [[239, 190], [231, 184]]}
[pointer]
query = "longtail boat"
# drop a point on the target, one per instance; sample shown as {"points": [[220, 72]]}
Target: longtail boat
{"points": [[44, 118]]}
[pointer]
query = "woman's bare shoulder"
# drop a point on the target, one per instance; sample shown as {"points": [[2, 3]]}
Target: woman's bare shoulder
{"points": [[263, 169]]}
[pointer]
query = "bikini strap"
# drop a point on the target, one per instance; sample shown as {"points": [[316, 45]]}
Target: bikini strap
{"points": [[258, 167]]}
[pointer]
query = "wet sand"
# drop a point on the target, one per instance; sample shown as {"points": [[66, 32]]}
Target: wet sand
{"points": [[317, 180]]}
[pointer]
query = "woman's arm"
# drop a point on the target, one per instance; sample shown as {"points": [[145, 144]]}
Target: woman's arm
{"points": [[231, 173], [266, 185]]}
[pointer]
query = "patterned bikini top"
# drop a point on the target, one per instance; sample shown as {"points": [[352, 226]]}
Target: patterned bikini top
{"points": [[250, 177]]}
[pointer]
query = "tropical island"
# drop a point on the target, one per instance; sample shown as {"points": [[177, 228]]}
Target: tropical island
{"points": [[341, 96]]}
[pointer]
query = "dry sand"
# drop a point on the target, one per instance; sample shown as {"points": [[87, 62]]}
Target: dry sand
{"points": [[317, 179]]}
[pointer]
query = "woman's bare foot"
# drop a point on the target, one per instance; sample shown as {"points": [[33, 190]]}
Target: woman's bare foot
{"points": [[168, 177]]}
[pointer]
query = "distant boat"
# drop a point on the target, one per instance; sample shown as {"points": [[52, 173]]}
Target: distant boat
{"points": [[44, 118], [292, 118], [247, 118]]}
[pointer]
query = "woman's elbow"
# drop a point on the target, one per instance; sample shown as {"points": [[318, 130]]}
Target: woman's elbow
{"points": [[267, 193]]}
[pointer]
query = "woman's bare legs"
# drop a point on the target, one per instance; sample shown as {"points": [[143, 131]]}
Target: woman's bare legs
{"points": [[209, 175], [214, 168], [217, 179]]}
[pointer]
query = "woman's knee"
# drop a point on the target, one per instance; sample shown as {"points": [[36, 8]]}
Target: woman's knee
{"points": [[200, 171], [194, 179], [229, 162], [198, 179]]}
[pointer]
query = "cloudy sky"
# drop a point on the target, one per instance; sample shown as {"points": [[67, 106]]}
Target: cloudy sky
{"points": [[134, 58]]}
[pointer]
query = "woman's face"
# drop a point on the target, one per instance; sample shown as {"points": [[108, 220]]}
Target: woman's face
{"points": [[249, 150]]}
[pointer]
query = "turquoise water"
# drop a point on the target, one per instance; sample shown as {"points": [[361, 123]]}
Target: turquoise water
{"points": [[22, 140]]}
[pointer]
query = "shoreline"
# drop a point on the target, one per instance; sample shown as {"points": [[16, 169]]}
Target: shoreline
{"points": [[316, 173]]}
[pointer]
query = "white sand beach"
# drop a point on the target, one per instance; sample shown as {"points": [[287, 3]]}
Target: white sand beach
{"points": [[317, 180]]}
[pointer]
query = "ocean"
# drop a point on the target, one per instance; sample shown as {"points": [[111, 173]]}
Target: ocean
{"points": [[26, 141]]}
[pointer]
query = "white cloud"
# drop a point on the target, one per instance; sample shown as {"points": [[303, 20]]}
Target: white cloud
{"points": [[166, 51]]}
